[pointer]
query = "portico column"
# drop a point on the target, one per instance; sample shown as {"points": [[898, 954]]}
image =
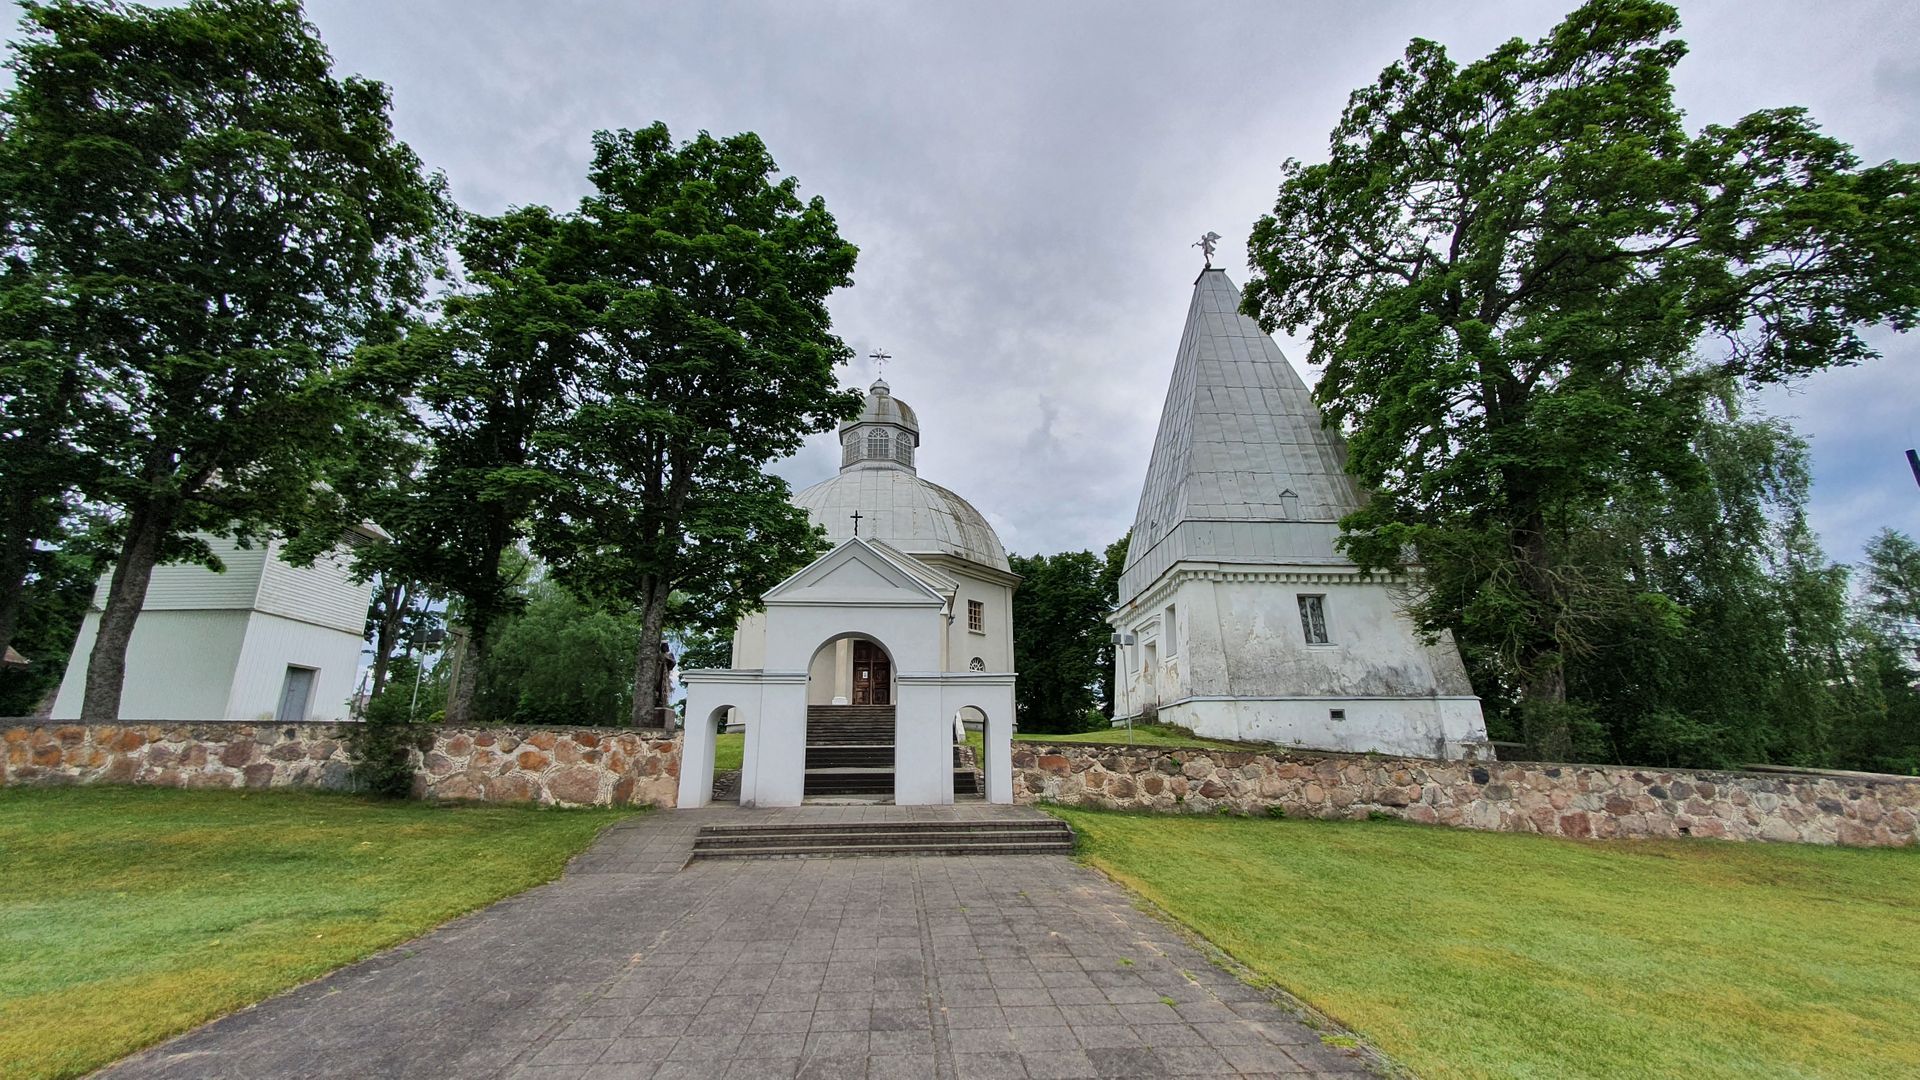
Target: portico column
{"points": [[922, 743], [997, 743], [774, 772]]}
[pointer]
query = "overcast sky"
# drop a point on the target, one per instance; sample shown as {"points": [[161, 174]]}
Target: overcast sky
{"points": [[1024, 181]]}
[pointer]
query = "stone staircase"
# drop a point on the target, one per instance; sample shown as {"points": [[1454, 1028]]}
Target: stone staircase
{"points": [[1008, 836], [850, 754]]}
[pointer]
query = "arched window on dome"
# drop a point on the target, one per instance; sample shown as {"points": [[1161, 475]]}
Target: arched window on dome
{"points": [[903, 450], [850, 449], [877, 444]]}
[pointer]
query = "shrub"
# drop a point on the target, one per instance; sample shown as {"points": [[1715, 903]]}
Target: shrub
{"points": [[382, 752]]}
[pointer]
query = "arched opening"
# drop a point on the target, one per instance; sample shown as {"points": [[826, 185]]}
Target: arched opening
{"points": [[850, 729], [969, 753], [851, 670], [729, 753]]}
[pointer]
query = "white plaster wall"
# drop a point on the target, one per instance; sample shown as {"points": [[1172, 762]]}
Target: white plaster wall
{"points": [[180, 666], [909, 632], [272, 643], [922, 744], [992, 695], [1243, 668], [994, 646], [750, 642], [1433, 727]]}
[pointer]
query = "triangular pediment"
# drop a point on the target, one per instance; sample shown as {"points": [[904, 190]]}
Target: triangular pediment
{"points": [[855, 573]]}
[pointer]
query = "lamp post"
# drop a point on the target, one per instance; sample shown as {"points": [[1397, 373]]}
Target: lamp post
{"points": [[429, 640]]}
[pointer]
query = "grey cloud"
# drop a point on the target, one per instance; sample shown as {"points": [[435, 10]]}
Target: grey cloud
{"points": [[1024, 179]]}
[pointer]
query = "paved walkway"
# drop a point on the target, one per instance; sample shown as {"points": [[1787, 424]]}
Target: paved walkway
{"points": [[632, 966]]}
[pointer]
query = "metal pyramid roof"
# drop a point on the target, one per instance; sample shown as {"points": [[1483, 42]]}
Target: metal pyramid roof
{"points": [[1242, 469]]}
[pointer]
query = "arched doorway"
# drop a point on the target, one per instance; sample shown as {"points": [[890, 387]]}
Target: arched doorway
{"points": [[729, 754], [970, 767], [872, 674], [850, 721]]}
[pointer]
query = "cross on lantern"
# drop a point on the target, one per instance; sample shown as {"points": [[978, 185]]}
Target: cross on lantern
{"points": [[879, 358], [856, 523]]}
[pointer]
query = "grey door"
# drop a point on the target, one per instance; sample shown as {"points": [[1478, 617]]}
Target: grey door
{"points": [[296, 695]]}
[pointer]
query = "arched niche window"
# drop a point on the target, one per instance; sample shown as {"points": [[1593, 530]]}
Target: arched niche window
{"points": [[877, 443], [976, 664]]}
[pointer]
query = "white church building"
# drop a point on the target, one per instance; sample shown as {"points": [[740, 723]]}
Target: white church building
{"points": [[865, 668], [1238, 617]]}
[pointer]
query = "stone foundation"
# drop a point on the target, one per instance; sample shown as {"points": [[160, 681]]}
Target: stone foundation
{"points": [[1579, 801], [550, 766]]}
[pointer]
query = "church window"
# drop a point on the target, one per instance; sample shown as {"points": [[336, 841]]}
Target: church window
{"points": [[903, 451], [1171, 635], [1313, 619], [976, 616], [877, 443], [976, 664]]}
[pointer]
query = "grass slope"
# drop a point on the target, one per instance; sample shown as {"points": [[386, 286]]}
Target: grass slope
{"points": [[1469, 954], [128, 915], [1144, 735]]}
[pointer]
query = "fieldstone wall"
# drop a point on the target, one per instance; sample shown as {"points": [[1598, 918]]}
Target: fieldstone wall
{"points": [[557, 766], [216, 754], [1579, 801], [551, 766]]}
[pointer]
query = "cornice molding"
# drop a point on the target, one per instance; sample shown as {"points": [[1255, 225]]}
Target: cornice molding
{"points": [[1180, 574]]}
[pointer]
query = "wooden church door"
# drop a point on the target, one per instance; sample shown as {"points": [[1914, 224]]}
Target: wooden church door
{"points": [[872, 674]]}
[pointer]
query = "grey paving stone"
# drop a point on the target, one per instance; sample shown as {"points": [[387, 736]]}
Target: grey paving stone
{"points": [[637, 964]]}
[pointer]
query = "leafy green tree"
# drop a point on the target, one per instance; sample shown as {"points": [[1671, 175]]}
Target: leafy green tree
{"points": [[713, 355], [43, 392], [213, 222], [1510, 269], [1892, 588], [562, 661], [58, 588], [1113, 564], [489, 381], [1059, 625]]}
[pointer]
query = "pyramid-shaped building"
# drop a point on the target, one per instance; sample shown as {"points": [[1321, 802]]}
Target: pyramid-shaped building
{"points": [[1238, 617]]}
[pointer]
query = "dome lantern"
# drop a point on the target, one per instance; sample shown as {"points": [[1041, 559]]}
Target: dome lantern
{"points": [[884, 435]]}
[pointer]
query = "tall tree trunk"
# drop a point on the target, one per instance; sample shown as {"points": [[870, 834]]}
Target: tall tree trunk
{"points": [[1542, 660], [481, 609], [465, 686], [646, 667], [392, 597], [147, 529], [14, 560]]}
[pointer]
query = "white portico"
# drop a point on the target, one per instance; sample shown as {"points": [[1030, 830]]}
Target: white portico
{"points": [[865, 668]]}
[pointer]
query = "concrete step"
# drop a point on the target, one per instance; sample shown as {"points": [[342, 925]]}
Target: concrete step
{"points": [[849, 850], [889, 836], [826, 839], [921, 824]]}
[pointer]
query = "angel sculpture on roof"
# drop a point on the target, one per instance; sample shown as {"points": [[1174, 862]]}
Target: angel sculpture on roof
{"points": [[1205, 244]]}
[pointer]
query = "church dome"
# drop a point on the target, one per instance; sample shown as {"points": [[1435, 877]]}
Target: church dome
{"points": [[883, 408], [878, 482]]}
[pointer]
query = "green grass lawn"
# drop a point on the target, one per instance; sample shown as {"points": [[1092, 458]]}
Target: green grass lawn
{"points": [[1467, 954], [131, 914], [728, 750], [1144, 735]]}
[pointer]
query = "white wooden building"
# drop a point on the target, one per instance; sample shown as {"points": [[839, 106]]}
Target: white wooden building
{"points": [[263, 640]]}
